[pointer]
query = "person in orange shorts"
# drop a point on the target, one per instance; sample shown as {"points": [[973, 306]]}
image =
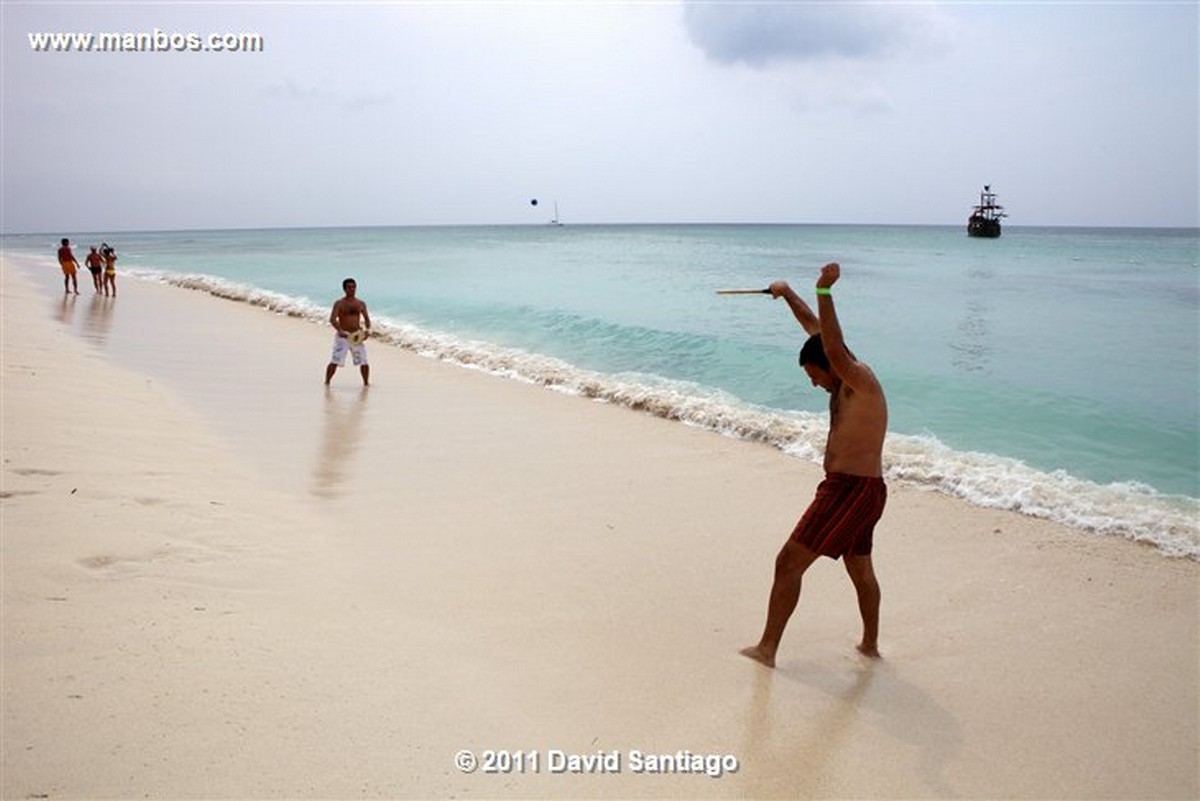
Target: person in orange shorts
{"points": [[840, 521], [66, 260]]}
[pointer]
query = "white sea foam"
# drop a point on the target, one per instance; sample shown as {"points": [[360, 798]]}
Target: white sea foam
{"points": [[1130, 510], [1133, 511]]}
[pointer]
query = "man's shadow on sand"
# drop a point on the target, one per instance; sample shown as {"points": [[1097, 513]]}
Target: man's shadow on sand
{"points": [[875, 694], [339, 442]]}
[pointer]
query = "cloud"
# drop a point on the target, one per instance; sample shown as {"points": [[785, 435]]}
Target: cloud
{"points": [[760, 34]]}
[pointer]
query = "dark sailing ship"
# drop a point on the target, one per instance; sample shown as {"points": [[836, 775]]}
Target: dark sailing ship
{"points": [[985, 219]]}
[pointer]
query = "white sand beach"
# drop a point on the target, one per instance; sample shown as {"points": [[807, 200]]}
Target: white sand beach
{"points": [[221, 580]]}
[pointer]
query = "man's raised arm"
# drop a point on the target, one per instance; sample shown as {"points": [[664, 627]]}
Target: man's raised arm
{"points": [[848, 369], [804, 315]]}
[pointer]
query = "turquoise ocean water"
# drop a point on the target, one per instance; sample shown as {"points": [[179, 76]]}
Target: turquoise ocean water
{"points": [[1053, 371]]}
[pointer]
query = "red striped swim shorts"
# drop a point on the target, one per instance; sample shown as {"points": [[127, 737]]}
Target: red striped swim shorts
{"points": [[841, 519]]}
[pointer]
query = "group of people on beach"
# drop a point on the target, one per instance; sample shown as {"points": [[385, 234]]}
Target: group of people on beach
{"points": [[101, 263], [840, 521]]}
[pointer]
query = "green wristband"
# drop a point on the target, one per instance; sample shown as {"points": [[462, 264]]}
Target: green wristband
{"points": [[824, 290]]}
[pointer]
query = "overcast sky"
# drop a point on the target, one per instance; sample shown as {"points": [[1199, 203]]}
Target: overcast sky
{"points": [[449, 113]]}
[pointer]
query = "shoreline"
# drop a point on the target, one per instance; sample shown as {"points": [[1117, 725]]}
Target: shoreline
{"points": [[332, 593], [1127, 509]]}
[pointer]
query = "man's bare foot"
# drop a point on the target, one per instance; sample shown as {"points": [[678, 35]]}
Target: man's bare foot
{"points": [[869, 650], [759, 654]]}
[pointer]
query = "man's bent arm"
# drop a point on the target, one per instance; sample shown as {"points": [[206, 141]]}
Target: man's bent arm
{"points": [[804, 315]]}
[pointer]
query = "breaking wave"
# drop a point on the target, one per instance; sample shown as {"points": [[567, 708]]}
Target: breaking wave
{"points": [[1130, 510]]}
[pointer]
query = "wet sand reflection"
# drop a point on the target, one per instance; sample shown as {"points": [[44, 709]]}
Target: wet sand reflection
{"points": [[98, 322], [343, 431]]}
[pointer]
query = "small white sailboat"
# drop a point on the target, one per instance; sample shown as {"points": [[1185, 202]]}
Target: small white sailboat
{"points": [[555, 220]]}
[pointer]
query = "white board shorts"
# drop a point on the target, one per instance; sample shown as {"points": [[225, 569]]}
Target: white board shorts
{"points": [[342, 346]]}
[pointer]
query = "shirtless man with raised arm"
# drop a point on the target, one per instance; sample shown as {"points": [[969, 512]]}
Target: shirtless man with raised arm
{"points": [[840, 521], [352, 325]]}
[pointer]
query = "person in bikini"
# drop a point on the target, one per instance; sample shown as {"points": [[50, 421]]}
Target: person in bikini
{"points": [[840, 521], [352, 325], [110, 268]]}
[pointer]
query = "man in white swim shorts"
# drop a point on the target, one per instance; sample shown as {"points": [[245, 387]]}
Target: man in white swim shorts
{"points": [[352, 325]]}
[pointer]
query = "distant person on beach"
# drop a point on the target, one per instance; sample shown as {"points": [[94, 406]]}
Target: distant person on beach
{"points": [[352, 325], [66, 260], [95, 264], [840, 521], [110, 268]]}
